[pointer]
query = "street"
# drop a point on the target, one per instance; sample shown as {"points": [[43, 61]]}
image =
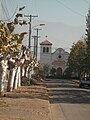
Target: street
{"points": [[67, 100]]}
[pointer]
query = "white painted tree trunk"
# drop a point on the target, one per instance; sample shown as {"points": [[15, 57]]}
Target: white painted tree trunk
{"points": [[22, 67], [11, 79], [32, 71], [3, 68], [23, 71], [27, 72], [17, 82], [19, 76]]}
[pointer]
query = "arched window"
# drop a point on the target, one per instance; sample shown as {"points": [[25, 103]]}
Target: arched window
{"points": [[43, 49], [47, 50]]}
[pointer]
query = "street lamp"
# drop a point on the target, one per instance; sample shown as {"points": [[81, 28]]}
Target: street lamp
{"points": [[38, 25]]}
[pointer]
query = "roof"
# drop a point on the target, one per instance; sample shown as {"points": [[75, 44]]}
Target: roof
{"points": [[60, 50], [46, 42]]}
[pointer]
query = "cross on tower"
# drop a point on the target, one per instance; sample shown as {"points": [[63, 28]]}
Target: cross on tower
{"points": [[46, 36]]}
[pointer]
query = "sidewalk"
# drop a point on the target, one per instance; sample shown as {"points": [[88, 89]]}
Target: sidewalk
{"points": [[25, 103], [56, 112]]}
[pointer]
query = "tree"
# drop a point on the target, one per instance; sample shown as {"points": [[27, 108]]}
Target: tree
{"points": [[9, 44], [76, 60], [9, 41], [88, 42], [79, 59]]}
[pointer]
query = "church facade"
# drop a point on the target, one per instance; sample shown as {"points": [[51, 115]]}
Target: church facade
{"points": [[56, 60]]}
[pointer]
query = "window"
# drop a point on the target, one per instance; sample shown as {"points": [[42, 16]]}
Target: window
{"points": [[45, 49], [59, 56]]}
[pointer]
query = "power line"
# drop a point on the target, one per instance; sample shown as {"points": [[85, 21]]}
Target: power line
{"points": [[13, 14], [5, 9], [70, 8]]}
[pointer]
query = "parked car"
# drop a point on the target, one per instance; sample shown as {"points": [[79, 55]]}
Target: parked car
{"points": [[85, 81]]}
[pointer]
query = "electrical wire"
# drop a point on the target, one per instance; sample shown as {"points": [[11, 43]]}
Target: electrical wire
{"points": [[7, 13], [7, 9], [4, 10], [69, 8], [13, 14]]}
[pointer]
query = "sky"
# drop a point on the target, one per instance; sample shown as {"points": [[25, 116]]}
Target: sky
{"points": [[71, 13]]}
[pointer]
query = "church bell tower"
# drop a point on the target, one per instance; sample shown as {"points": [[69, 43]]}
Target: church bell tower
{"points": [[45, 52]]}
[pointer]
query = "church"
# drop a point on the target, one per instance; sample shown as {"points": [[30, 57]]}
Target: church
{"points": [[55, 60]]}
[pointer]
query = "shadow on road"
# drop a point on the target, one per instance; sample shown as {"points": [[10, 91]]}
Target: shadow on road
{"points": [[63, 91], [30, 92], [70, 96]]}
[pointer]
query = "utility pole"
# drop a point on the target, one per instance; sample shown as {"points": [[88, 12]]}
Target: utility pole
{"points": [[37, 29], [35, 45], [30, 20]]}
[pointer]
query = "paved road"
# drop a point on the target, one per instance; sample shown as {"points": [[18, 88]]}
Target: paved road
{"points": [[68, 101]]}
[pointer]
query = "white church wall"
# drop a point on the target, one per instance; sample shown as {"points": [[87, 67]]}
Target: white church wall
{"points": [[57, 59], [45, 57]]}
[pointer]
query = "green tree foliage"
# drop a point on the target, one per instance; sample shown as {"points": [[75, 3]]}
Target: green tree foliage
{"points": [[88, 42], [77, 57]]}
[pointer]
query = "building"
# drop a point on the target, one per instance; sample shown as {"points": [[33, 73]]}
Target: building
{"points": [[56, 60]]}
